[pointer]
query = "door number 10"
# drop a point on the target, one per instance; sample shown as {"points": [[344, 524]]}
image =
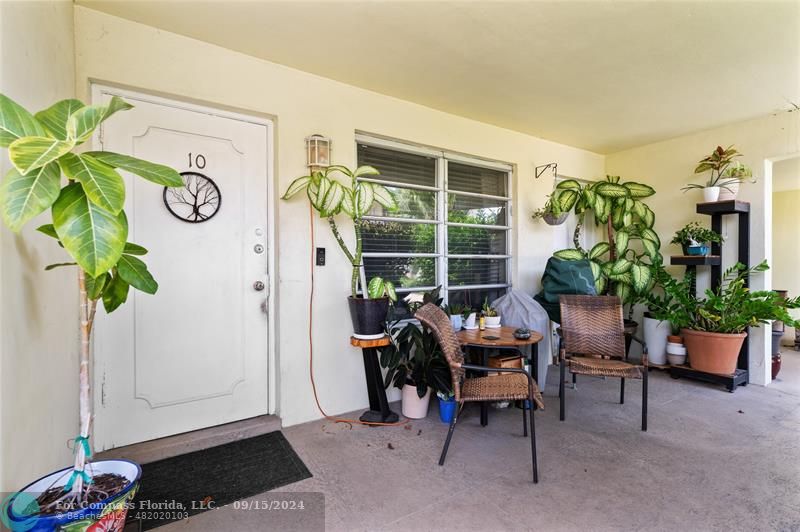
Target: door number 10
{"points": [[198, 160]]}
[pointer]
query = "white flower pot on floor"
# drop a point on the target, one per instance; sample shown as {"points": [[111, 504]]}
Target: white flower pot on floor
{"points": [[655, 336], [414, 406]]}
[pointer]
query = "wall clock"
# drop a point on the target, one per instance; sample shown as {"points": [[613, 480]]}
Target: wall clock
{"points": [[197, 201]]}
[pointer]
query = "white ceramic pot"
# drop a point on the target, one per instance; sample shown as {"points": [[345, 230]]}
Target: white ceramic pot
{"points": [[493, 322], [415, 407], [710, 194], [676, 360], [728, 192], [655, 336], [469, 323], [456, 322]]}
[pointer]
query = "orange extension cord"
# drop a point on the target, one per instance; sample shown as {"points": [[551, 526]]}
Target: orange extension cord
{"points": [[311, 347]]}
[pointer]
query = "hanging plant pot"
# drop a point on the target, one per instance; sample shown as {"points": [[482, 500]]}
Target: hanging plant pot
{"points": [[713, 352], [106, 514], [369, 316], [552, 219]]}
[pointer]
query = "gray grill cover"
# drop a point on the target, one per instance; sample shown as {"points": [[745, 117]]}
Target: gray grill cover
{"points": [[518, 309]]}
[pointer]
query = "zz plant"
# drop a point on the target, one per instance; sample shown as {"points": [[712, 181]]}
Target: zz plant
{"points": [[355, 199], [623, 264], [88, 219]]}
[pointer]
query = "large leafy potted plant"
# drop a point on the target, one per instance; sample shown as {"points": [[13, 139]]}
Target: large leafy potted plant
{"points": [[89, 223], [623, 264], [414, 361], [695, 235], [714, 327], [354, 199]]}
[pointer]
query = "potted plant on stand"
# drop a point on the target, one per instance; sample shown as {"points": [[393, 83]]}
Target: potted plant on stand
{"points": [[415, 363], [733, 176], [714, 327], [354, 199], [694, 239], [716, 163], [89, 223]]}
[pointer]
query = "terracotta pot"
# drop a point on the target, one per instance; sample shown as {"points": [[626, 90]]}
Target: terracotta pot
{"points": [[713, 352], [674, 339]]}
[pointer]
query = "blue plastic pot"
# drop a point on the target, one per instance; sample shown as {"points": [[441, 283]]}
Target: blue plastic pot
{"points": [[698, 250], [447, 409]]}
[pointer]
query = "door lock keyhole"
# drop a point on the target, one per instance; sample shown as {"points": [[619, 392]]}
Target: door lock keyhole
{"points": [[258, 248]]}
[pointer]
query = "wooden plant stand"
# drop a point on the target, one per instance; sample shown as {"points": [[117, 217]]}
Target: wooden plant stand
{"points": [[379, 411]]}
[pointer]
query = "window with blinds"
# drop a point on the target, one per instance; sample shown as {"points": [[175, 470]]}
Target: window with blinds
{"points": [[451, 226]]}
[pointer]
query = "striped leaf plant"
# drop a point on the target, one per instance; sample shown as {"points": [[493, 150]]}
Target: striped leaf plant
{"points": [[626, 262], [85, 194], [354, 198]]}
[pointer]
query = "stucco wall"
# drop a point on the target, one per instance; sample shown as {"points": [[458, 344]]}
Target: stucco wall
{"points": [[116, 51], [38, 309], [669, 165]]}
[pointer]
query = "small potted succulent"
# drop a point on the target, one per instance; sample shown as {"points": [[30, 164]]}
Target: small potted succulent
{"points": [[694, 239], [456, 313], [491, 315], [717, 163]]}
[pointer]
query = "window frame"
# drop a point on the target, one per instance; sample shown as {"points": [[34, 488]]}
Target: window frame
{"points": [[442, 191]]}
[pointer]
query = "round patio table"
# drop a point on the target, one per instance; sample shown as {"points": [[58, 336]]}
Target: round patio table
{"points": [[499, 338]]}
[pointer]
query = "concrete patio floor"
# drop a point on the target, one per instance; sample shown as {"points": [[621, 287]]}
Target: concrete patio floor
{"points": [[710, 460]]}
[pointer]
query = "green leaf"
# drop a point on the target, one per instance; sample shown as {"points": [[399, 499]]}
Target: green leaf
{"points": [[618, 218], [639, 208], [383, 196], [569, 254], [649, 218], [362, 199], [620, 266], [639, 190], [623, 292], [48, 230], [82, 123], [102, 184], [94, 237], [648, 234], [567, 199], [599, 250], [611, 190], [134, 249], [600, 285], [597, 271], [569, 184], [30, 153], [650, 248], [332, 201], [365, 170], [23, 197], [612, 178], [375, 288], [347, 203], [16, 122], [296, 186], [59, 265], [54, 118], [157, 173], [390, 290], [621, 240], [96, 285], [134, 272], [641, 276], [115, 293]]}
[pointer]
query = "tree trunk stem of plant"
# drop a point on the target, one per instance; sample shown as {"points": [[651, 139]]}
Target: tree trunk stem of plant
{"points": [[86, 318]]}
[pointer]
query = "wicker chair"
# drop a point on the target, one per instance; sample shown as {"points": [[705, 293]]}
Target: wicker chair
{"points": [[593, 343], [515, 386]]}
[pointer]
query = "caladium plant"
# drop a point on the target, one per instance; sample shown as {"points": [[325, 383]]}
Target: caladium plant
{"points": [[329, 197], [88, 219], [625, 263]]}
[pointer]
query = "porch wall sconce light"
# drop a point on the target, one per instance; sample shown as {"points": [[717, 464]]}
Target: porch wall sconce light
{"points": [[544, 167], [318, 152]]}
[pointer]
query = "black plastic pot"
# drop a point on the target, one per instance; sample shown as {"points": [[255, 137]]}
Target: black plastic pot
{"points": [[368, 315]]}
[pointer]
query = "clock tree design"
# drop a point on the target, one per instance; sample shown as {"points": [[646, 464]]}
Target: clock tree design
{"points": [[197, 201]]}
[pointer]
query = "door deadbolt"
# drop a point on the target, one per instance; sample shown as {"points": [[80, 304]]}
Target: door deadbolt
{"points": [[258, 248], [258, 286]]}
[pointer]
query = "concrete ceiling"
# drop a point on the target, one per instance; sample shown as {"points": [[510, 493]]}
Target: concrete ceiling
{"points": [[604, 76]]}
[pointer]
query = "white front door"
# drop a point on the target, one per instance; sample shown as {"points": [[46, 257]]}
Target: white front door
{"points": [[194, 354]]}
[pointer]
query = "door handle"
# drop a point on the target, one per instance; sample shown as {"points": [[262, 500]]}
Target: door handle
{"points": [[258, 286]]}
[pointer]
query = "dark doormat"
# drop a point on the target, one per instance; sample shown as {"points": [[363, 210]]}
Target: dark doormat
{"points": [[192, 483]]}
